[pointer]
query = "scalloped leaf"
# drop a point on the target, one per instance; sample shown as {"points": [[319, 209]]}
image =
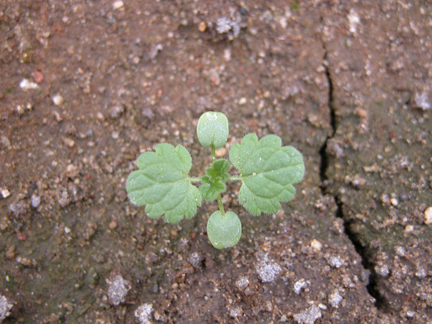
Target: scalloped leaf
{"points": [[211, 187], [214, 180], [268, 172], [224, 231], [162, 184], [219, 169]]}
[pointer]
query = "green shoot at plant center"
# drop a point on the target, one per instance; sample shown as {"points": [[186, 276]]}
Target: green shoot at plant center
{"points": [[267, 171]]}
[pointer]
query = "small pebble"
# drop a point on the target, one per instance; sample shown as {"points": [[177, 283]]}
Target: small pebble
{"points": [[221, 151], [20, 110], [26, 84], [242, 101], [335, 261], [116, 111], [410, 314], [242, 283], [118, 5], [4, 192], [202, 26], [155, 289], [360, 112], [5, 141], [69, 142], [394, 201], [148, 113], [428, 216], [409, 228], [299, 285], [316, 245], [38, 76], [22, 236], [57, 99], [35, 201], [235, 312], [113, 224]]}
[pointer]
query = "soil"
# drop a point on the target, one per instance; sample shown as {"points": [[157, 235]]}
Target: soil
{"points": [[86, 86]]}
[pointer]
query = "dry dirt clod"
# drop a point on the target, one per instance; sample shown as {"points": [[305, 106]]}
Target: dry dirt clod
{"points": [[118, 289]]}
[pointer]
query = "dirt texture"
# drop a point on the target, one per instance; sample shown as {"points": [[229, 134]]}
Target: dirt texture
{"points": [[86, 86]]}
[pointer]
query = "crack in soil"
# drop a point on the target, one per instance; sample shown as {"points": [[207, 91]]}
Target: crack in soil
{"points": [[380, 301]]}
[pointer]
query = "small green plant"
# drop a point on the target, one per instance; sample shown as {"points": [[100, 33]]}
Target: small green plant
{"points": [[267, 171]]}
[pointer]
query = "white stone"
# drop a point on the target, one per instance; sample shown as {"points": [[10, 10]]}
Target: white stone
{"points": [[26, 84], [428, 216], [354, 20], [118, 5], [299, 285], [35, 201], [57, 99], [4, 192], [316, 245]]}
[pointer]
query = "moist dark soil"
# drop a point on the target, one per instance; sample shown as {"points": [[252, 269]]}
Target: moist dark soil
{"points": [[87, 86]]}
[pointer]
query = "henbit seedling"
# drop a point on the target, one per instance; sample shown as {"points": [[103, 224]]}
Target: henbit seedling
{"points": [[267, 171]]}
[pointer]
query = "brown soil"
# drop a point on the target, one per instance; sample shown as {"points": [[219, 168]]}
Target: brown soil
{"points": [[348, 84]]}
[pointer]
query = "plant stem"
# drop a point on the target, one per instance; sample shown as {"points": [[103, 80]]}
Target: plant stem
{"points": [[219, 199], [195, 179], [235, 178], [213, 152]]}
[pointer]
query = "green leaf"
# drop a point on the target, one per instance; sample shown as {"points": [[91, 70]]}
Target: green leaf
{"points": [[162, 184], [211, 187], [219, 169], [214, 182], [224, 231], [212, 129], [268, 172]]}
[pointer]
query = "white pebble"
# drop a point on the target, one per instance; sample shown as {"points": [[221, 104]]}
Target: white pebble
{"points": [[4, 192], [35, 201], [118, 5], [57, 99], [428, 216], [299, 285], [26, 84], [316, 245], [242, 101], [335, 261], [221, 152]]}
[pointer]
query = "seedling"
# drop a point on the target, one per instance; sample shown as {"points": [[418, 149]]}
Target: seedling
{"points": [[267, 171]]}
